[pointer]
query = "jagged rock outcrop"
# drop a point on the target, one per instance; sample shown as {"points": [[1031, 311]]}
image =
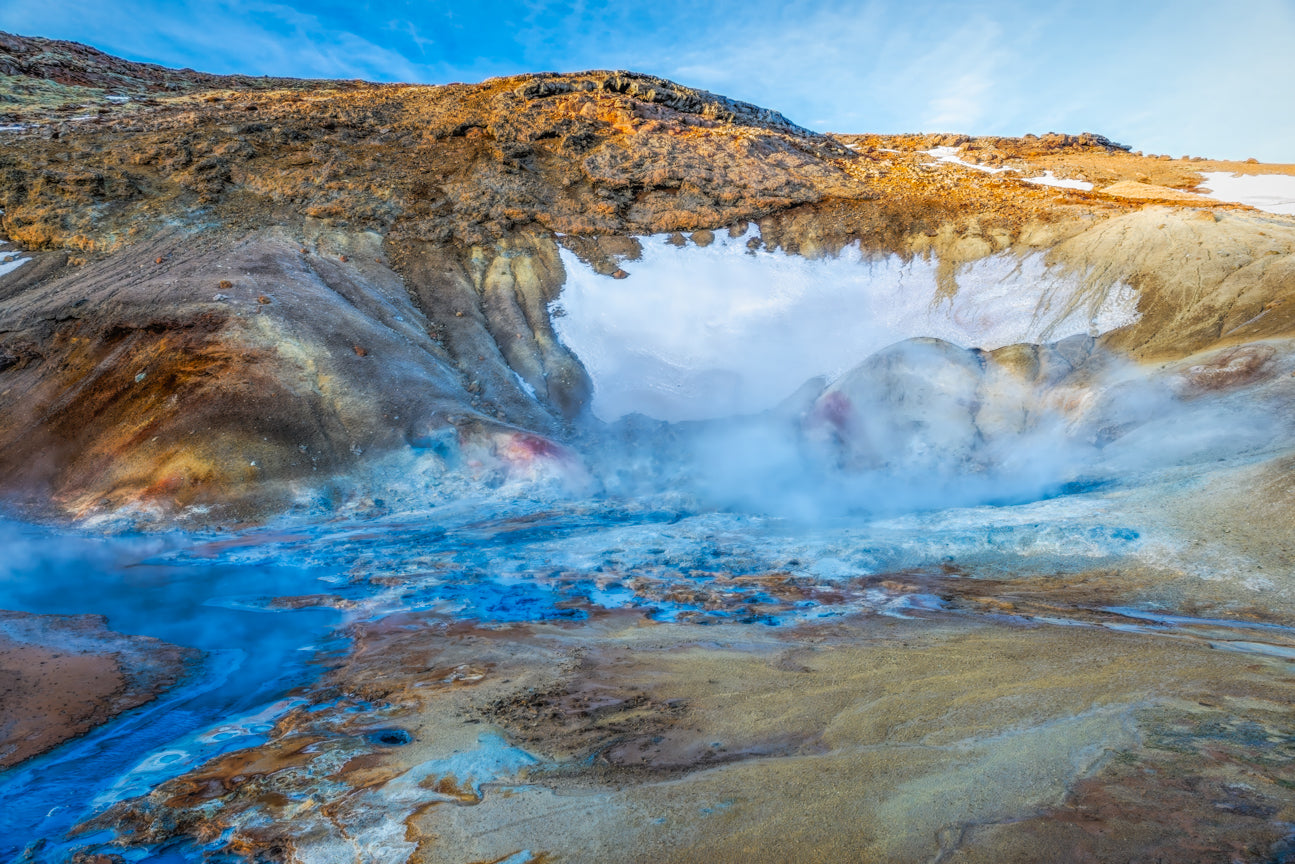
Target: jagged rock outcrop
{"points": [[72, 64]]}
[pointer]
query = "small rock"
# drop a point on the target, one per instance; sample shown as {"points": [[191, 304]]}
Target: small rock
{"points": [[703, 237], [620, 274], [225, 285], [262, 299], [159, 260], [220, 298], [305, 251], [676, 239], [343, 258], [97, 858], [360, 352]]}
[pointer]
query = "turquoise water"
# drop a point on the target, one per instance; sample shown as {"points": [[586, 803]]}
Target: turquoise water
{"points": [[250, 660]]}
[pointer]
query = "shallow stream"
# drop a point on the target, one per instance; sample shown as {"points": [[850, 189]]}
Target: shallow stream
{"points": [[496, 561]]}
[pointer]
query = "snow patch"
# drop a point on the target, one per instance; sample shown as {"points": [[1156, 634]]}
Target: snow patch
{"points": [[1274, 193], [950, 155], [1050, 179], [697, 333], [524, 384], [10, 262]]}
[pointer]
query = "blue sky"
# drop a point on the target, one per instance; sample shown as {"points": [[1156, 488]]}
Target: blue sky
{"points": [[1185, 77]]}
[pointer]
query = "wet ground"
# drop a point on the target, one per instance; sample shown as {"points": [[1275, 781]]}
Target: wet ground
{"points": [[1102, 675], [63, 675]]}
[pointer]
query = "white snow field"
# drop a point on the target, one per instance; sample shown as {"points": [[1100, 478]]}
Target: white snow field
{"points": [[1274, 193], [950, 155], [1050, 179], [10, 258]]}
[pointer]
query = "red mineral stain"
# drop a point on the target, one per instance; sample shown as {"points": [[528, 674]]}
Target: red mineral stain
{"points": [[834, 409]]}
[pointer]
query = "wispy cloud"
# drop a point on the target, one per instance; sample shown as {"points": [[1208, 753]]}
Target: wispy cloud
{"points": [[962, 104], [230, 36]]}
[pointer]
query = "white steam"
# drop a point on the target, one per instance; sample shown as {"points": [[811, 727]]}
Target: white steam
{"points": [[896, 405], [700, 333], [926, 425]]}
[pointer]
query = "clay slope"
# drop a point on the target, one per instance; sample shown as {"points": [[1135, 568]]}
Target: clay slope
{"points": [[247, 370], [245, 288]]}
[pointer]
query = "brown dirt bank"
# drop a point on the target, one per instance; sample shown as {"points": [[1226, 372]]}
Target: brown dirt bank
{"points": [[63, 675]]}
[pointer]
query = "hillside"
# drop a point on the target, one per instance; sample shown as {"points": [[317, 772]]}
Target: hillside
{"points": [[240, 290], [587, 467]]}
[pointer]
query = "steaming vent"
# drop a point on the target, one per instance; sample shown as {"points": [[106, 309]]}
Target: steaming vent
{"points": [[699, 333], [771, 382]]}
